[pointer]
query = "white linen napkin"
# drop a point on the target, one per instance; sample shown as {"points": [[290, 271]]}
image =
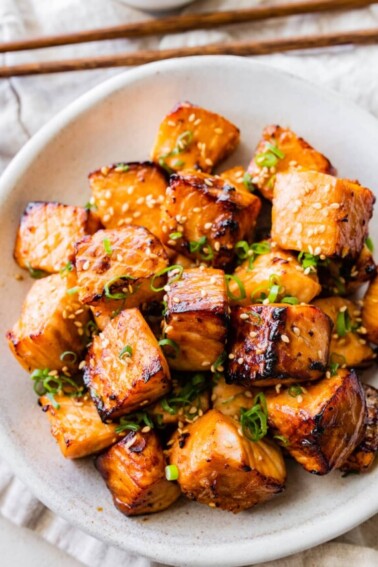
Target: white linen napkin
{"points": [[27, 103]]}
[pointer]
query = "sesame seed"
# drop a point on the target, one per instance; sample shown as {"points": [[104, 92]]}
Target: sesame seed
{"points": [[206, 363], [278, 388], [231, 356], [253, 334], [218, 130], [285, 338], [86, 265], [343, 309], [317, 251], [328, 375], [209, 162], [196, 210], [248, 394], [299, 399], [244, 316], [208, 181], [362, 341], [192, 118], [104, 170], [240, 360], [82, 365], [217, 246], [208, 225], [171, 123], [317, 206], [335, 206], [198, 121], [320, 354], [296, 331], [145, 429]]}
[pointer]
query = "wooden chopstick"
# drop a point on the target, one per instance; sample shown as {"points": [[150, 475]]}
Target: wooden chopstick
{"points": [[187, 22], [362, 37]]}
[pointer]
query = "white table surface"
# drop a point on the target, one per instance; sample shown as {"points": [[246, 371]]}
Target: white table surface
{"points": [[21, 547]]}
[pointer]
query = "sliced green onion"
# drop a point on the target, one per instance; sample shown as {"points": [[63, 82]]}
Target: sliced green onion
{"points": [[165, 166], [175, 235], [118, 295], [266, 159], [72, 290], [69, 353], [242, 249], [122, 167], [174, 278], [295, 391], [179, 163], [183, 141], [276, 151], [134, 422], [291, 300], [260, 248], [107, 246], [171, 472], [35, 273], [284, 440], [273, 293], [254, 422], [247, 182], [170, 343], [308, 260], [67, 268], [196, 245], [242, 295], [90, 206], [343, 323], [369, 243], [53, 401], [166, 407], [127, 350], [336, 361]]}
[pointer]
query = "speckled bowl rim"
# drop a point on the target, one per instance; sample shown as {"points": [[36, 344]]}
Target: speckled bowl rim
{"points": [[260, 549]]}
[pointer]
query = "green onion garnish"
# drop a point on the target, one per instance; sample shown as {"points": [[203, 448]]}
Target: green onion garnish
{"points": [[369, 243], [295, 391], [343, 323], [247, 182], [175, 235], [284, 440], [188, 395], [118, 295], [35, 273], [67, 268], [173, 279], [45, 384], [122, 167], [276, 151], [242, 249], [134, 422], [107, 246], [165, 166], [242, 295], [90, 206], [127, 350], [170, 343], [336, 361], [291, 300], [254, 422], [72, 290], [70, 354], [171, 472], [204, 250], [270, 157]]}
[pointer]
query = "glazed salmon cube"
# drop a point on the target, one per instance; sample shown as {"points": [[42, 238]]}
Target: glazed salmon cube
{"points": [[134, 472], [276, 343], [280, 150], [238, 178], [322, 423], [370, 311], [189, 398], [218, 466], [192, 137], [116, 268], [196, 318], [362, 458], [130, 193], [211, 216], [125, 368], [229, 399], [259, 273], [77, 427], [52, 323], [47, 234], [348, 344], [320, 214]]}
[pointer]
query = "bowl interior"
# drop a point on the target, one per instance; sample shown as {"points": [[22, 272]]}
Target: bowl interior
{"points": [[117, 122]]}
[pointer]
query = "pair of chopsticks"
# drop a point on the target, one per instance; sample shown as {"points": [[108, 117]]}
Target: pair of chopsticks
{"points": [[189, 22]]}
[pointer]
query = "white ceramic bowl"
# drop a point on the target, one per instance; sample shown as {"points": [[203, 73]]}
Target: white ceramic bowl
{"points": [[117, 121]]}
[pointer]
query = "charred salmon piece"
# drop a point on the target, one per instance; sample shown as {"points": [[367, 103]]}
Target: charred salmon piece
{"points": [[370, 311], [134, 472], [125, 368], [130, 193], [277, 267], [189, 399], [348, 344], [321, 423], [77, 427], [196, 318], [116, 268], [211, 217], [229, 399], [192, 137], [238, 178], [320, 214], [362, 458], [344, 276], [47, 234], [52, 323], [277, 343], [220, 467], [280, 150]]}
